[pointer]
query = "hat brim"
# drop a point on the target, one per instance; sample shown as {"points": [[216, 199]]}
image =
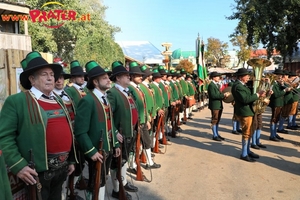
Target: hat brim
{"points": [[79, 74], [137, 73], [243, 74], [113, 76], [24, 81], [66, 76]]}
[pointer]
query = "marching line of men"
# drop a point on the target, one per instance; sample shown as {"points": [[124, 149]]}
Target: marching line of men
{"points": [[62, 128], [282, 97]]}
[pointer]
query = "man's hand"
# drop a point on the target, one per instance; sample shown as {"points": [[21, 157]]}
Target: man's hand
{"points": [[27, 175], [173, 103], [161, 112], [261, 93], [71, 169], [120, 138], [97, 157], [118, 152], [148, 124]]}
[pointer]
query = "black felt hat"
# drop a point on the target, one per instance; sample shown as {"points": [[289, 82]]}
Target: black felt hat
{"points": [[156, 74], [242, 72], [162, 70], [34, 61], [134, 68], [278, 72], [146, 70], [117, 68], [214, 74], [76, 69], [93, 69]]}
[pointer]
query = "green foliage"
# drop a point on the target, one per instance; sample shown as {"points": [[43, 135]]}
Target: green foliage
{"points": [[217, 52], [83, 40], [274, 23], [244, 51], [186, 65]]}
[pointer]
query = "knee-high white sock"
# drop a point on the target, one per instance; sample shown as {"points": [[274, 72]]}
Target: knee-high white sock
{"points": [[149, 158], [101, 193], [64, 189], [114, 180], [131, 160], [123, 173], [187, 111], [76, 178], [180, 115]]}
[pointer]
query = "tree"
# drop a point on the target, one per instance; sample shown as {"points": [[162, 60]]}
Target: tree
{"points": [[244, 51], [70, 41], [217, 52], [186, 65], [274, 23]]}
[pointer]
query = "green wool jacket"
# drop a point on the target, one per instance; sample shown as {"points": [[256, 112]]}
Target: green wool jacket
{"points": [[192, 89], [215, 97], [74, 94], [139, 102], [158, 97], [180, 93], [243, 99], [165, 94], [276, 99], [5, 190], [296, 95], [91, 125], [121, 111], [175, 95], [23, 127], [149, 97], [288, 97], [184, 86]]}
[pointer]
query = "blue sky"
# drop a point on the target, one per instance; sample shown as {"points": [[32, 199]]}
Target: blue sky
{"points": [[174, 21]]}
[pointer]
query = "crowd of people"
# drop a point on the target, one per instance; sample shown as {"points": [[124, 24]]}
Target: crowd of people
{"points": [[110, 122], [105, 121], [279, 90]]}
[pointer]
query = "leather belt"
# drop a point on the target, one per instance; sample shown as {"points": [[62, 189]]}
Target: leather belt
{"points": [[57, 161]]}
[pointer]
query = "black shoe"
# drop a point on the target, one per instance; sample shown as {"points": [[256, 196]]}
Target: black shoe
{"points": [[278, 137], [296, 126], [261, 145], [131, 170], [130, 188], [216, 139], [235, 132], [254, 146], [154, 166], [240, 131], [152, 155], [291, 128], [247, 158], [190, 118], [282, 131], [116, 195], [183, 122], [195, 110], [253, 155], [221, 137], [274, 139]]}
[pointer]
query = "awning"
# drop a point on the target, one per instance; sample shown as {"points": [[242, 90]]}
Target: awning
{"points": [[221, 70]]}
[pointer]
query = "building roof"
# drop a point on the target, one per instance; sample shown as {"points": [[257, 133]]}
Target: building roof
{"points": [[177, 54], [12, 7], [262, 52], [142, 51]]}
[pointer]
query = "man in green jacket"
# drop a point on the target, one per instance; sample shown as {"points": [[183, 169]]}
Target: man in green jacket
{"points": [[136, 76], [276, 103], [5, 190], [215, 104], [36, 122], [125, 115], [94, 123], [243, 107]]}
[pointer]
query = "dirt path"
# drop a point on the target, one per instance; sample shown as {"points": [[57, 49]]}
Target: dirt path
{"points": [[196, 167]]}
